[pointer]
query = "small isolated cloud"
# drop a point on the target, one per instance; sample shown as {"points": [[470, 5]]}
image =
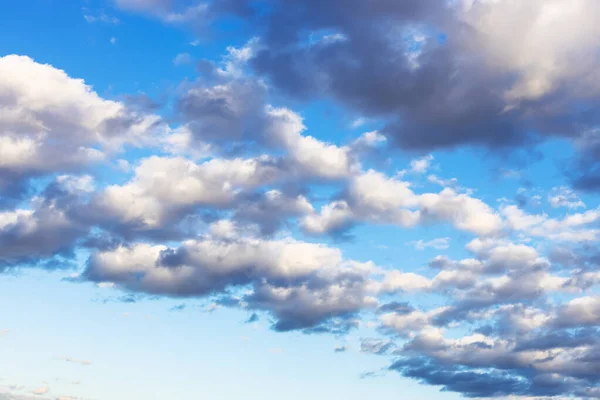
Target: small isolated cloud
{"points": [[564, 197], [253, 318], [358, 122], [452, 182], [276, 351], [182, 59], [370, 374], [113, 40], [510, 173], [42, 390], [340, 349], [178, 307], [421, 165], [376, 346], [123, 165], [76, 361], [438, 244], [101, 16]]}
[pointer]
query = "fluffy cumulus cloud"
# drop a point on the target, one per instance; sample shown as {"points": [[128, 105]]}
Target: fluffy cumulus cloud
{"points": [[303, 285], [520, 344], [163, 189], [50, 122], [239, 198], [373, 197]]}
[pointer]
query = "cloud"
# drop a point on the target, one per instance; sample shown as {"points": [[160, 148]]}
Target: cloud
{"points": [[182, 59], [303, 285], [375, 198], [165, 189], [91, 17], [516, 349], [438, 244], [42, 390], [564, 197], [271, 209], [209, 208], [421, 165], [571, 228], [44, 234], [340, 349], [376, 346], [50, 122], [310, 156], [455, 73], [76, 361]]}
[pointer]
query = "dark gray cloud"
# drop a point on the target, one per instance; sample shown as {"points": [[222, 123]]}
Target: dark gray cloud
{"points": [[314, 294], [440, 75], [225, 111], [44, 236], [468, 383], [271, 210], [478, 369], [559, 339]]}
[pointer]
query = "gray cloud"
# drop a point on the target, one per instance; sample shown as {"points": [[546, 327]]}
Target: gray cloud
{"points": [[442, 75], [317, 293], [44, 235]]}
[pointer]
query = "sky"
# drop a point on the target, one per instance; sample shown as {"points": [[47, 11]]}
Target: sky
{"points": [[235, 199]]}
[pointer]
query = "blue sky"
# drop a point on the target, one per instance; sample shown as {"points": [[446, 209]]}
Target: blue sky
{"points": [[290, 199]]}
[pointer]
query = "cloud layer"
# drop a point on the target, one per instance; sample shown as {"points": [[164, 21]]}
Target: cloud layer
{"points": [[234, 200]]}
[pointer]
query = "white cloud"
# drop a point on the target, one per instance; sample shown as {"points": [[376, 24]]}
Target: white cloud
{"points": [[370, 139], [522, 47], [413, 322], [405, 282], [182, 59], [571, 228], [42, 390], [311, 156], [52, 122], [375, 198], [564, 197], [358, 122], [163, 188], [76, 361], [438, 244], [421, 165], [93, 17], [302, 284]]}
